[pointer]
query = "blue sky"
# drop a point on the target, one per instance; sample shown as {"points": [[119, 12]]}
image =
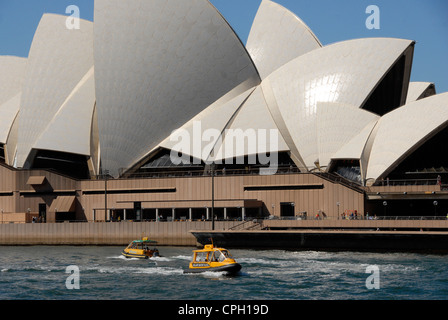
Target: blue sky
{"points": [[425, 21]]}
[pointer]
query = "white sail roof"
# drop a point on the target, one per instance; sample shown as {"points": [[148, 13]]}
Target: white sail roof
{"points": [[70, 128], [252, 131], [403, 130], [168, 61], [12, 71], [345, 73], [59, 58], [277, 37], [420, 90], [12, 75]]}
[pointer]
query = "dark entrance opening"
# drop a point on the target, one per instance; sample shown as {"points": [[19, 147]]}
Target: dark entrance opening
{"points": [[198, 213], [72, 165], [149, 214], [287, 209], [2, 153], [138, 211], [42, 212]]}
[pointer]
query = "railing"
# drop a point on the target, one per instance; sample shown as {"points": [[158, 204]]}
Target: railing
{"points": [[247, 225], [407, 182], [281, 169], [361, 218], [124, 221], [254, 222], [335, 178], [409, 218]]}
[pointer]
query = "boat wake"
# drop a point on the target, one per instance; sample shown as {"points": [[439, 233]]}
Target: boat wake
{"points": [[160, 259], [182, 257], [121, 257]]}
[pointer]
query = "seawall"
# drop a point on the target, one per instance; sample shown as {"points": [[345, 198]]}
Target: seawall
{"points": [[105, 233], [190, 233], [355, 240]]}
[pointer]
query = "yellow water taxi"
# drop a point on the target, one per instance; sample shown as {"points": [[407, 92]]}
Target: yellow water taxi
{"points": [[211, 258], [141, 249]]}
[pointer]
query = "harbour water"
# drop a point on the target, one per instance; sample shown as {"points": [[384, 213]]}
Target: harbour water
{"points": [[49, 273]]}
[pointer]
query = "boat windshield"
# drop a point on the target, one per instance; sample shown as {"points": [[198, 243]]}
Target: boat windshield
{"points": [[221, 255], [226, 254], [212, 256], [132, 245]]}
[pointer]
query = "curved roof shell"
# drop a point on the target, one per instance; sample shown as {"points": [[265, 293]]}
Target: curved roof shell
{"points": [[420, 90], [72, 122], [153, 75], [277, 37], [59, 58], [12, 70], [337, 124], [344, 73], [252, 131], [8, 116], [229, 129], [199, 136], [403, 130]]}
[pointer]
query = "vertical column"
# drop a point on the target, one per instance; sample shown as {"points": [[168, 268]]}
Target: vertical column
{"points": [[243, 213], [225, 213], [157, 215], [190, 214], [173, 214], [207, 214], [124, 214]]}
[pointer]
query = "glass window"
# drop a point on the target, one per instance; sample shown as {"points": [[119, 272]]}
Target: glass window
{"points": [[201, 257], [216, 256], [226, 254]]}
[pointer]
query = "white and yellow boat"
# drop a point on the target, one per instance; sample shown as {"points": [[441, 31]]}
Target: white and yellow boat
{"points": [[141, 249], [211, 258]]}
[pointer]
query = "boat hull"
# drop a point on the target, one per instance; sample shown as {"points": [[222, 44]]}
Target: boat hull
{"points": [[139, 256], [229, 268]]}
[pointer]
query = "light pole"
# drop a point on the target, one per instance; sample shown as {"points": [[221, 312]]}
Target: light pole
{"points": [[106, 173], [338, 204], [213, 196]]}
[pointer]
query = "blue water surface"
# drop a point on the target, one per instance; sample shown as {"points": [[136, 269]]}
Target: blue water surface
{"points": [[40, 273]]}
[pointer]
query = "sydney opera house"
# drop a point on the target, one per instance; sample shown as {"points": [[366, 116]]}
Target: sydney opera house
{"points": [[157, 108]]}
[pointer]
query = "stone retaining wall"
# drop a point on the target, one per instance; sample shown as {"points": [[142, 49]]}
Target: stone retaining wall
{"points": [[105, 233]]}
